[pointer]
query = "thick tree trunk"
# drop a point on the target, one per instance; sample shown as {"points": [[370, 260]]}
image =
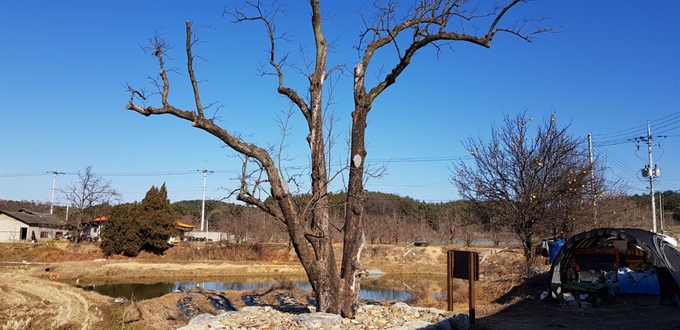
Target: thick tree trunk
{"points": [[354, 238], [338, 293]]}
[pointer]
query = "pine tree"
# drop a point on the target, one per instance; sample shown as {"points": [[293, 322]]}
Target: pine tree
{"points": [[157, 220], [121, 233]]}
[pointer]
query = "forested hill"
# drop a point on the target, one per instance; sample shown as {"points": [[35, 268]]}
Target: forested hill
{"points": [[377, 204], [387, 217]]}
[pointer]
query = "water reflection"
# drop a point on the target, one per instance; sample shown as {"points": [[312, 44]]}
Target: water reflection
{"points": [[142, 291]]}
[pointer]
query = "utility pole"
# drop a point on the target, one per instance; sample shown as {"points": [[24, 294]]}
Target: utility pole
{"points": [[54, 185], [68, 200], [593, 191], [205, 175], [650, 171], [663, 231]]}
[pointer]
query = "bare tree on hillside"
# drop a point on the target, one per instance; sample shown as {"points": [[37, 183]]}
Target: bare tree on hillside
{"points": [[89, 194], [532, 185], [402, 29]]}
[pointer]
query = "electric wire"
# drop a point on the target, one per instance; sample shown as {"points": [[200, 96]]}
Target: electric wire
{"points": [[642, 128], [657, 126]]}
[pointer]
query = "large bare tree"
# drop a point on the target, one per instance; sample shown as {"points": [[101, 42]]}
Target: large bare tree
{"points": [[533, 185], [90, 193], [400, 28]]}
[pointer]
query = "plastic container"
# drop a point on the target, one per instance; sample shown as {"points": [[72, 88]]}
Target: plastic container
{"points": [[554, 247], [638, 282]]}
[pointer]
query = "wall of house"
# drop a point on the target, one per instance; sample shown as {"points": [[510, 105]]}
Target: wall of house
{"points": [[42, 234], [95, 232], [10, 229]]}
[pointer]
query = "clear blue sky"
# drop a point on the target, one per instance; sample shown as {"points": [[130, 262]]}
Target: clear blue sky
{"points": [[64, 65]]}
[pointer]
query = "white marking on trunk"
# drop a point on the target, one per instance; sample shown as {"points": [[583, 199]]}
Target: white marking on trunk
{"points": [[358, 271], [284, 184], [356, 160], [358, 72]]}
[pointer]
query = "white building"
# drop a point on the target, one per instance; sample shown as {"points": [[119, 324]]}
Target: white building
{"points": [[25, 225]]}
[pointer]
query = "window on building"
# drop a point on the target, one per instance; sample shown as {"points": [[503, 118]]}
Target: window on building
{"points": [[44, 234]]}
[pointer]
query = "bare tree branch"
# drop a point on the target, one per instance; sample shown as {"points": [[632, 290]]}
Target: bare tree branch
{"points": [[533, 185], [90, 192], [267, 18], [428, 22], [190, 67]]}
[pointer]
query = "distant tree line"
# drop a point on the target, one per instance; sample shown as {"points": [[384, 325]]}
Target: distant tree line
{"points": [[390, 218]]}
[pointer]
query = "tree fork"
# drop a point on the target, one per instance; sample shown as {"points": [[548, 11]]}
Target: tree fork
{"points": [[308, 227]]}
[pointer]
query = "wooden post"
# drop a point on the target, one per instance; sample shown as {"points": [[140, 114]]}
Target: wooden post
{"points": [[464, 266], [449, 280], [471, 280]]}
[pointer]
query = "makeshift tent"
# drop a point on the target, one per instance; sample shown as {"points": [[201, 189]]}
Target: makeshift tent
{"points": [[637, 249]]}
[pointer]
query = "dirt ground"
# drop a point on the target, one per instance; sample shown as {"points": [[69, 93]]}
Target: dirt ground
{"points": [[37, 288], [30, 303]]}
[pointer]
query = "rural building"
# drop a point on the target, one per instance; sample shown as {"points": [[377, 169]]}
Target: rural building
{"points": [[216, 236], [24, 225], [183, 229], [93, 229]]}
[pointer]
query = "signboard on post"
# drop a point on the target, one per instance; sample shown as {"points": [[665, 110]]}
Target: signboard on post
{"points": [[463, 265]]}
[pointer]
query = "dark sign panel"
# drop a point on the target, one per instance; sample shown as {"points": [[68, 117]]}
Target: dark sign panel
{"points": [[462, 265]]}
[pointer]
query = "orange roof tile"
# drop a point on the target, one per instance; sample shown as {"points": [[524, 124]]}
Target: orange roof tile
{"points": [[183, 225]]}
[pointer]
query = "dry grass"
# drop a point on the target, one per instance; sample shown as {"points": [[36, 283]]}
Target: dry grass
{"points": [[217, 251], [502, 282]]}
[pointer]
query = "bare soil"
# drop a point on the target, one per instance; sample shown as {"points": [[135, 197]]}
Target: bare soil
{"points": [[34, 293], [30, 303]]}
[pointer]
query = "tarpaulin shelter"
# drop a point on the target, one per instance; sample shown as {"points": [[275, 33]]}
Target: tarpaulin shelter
{"points": [[634, 248]]}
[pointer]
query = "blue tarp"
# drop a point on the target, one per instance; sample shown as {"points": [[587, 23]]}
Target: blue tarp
{"points": [[554, 247], [638, 282]]}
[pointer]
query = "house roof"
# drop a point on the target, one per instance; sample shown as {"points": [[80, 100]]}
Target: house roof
{"points": [[35, 219], [184, 225], [179, 224], [100, 219]]}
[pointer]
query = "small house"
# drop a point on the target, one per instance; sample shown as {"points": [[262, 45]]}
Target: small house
{"points": [[24, 225], [92, 230]]}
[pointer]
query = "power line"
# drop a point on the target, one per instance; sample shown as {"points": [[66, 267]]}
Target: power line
{"points": [[620, 164], [116, 174], [660, 126], [421, 159], [640, 129], [16, 175]]}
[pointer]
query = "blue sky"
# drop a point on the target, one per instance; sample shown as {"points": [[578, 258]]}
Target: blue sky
{"points": [[64, 64]]}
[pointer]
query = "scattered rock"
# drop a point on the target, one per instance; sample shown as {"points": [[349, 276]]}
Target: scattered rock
{"points": [[318, 320], [121, 300], [398, 316]]}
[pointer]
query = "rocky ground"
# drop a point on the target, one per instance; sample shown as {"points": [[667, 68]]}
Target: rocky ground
{"points": [[37, 291], [398, 316]]}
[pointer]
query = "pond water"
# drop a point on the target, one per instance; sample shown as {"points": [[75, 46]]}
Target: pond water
{"points": [[398, 288]]}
